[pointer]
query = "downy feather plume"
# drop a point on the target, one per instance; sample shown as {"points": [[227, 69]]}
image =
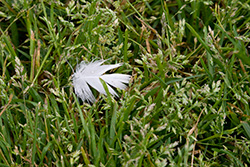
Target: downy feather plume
{"points": [[89, 74]]}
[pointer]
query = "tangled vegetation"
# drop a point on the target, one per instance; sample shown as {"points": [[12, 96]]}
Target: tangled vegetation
{"points": [[187, 103]]}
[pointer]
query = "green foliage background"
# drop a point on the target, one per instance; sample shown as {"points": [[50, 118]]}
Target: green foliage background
{"points": [[187, 103]]}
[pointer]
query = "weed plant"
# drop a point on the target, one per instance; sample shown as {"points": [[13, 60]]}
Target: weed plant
{"points": [[187, 103]]}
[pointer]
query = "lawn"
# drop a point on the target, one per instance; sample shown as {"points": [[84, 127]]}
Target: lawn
{"points": [[186, 104]]}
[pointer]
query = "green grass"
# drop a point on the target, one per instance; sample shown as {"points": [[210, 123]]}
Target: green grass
{"points": [[187, 103]]}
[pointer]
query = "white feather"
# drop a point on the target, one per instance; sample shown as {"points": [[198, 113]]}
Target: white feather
{"points": [[89, 74]]}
